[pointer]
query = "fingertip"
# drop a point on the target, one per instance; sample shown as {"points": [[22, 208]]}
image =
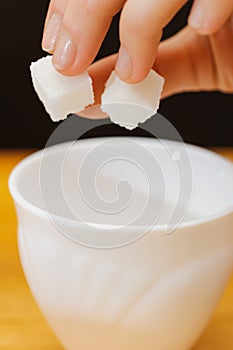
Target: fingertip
{"points": [[67, 58], [207, 17], [47, 49], [134, 78], [51, 32], [132, 70], [123, 66], [70, 71], [208, 27]]}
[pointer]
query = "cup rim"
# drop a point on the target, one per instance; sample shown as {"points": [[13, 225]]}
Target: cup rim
{"points": [[24, 203]]}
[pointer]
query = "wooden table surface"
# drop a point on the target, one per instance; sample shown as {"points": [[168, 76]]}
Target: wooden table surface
{"points": [[22, 326]]}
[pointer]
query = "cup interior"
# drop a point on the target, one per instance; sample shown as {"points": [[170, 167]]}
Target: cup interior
{"points": [[123, 181]]}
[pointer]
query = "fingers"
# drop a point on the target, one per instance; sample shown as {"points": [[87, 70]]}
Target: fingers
{"points": [[182, 60], [141, 28], [187, 61], [207, 17], [84, 24], [193, 62]]}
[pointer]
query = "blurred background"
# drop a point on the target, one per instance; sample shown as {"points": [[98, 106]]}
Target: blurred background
{"points": [[205, 119]]}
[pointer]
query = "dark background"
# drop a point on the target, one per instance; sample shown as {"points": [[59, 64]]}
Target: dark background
{"points": [[201, 118]]}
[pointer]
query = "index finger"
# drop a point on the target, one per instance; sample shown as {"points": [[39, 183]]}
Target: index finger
{"points": [[84, 26]]}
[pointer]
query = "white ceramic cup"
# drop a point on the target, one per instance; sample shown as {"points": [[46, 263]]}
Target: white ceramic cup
{"points": [[153, 288]]}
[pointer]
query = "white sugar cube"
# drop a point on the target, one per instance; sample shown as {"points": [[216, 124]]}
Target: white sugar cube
{"points": [[61, 95], [130, 104]]}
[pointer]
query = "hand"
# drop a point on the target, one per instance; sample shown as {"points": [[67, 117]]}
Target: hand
{"points": [[197, 58]]}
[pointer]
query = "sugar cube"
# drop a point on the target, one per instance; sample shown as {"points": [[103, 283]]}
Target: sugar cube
{"points": [[60, 94], [130, 104]]}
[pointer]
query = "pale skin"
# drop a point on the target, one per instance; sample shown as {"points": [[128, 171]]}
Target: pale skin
{"points": [[200, 57]]}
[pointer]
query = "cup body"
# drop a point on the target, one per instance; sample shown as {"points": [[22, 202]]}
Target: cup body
{"points": [[156, 293]]}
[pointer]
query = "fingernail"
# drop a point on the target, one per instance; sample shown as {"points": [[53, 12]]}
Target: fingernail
{"points": [[65, 52], [196, 18], [51, 33], [124, 64]]}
